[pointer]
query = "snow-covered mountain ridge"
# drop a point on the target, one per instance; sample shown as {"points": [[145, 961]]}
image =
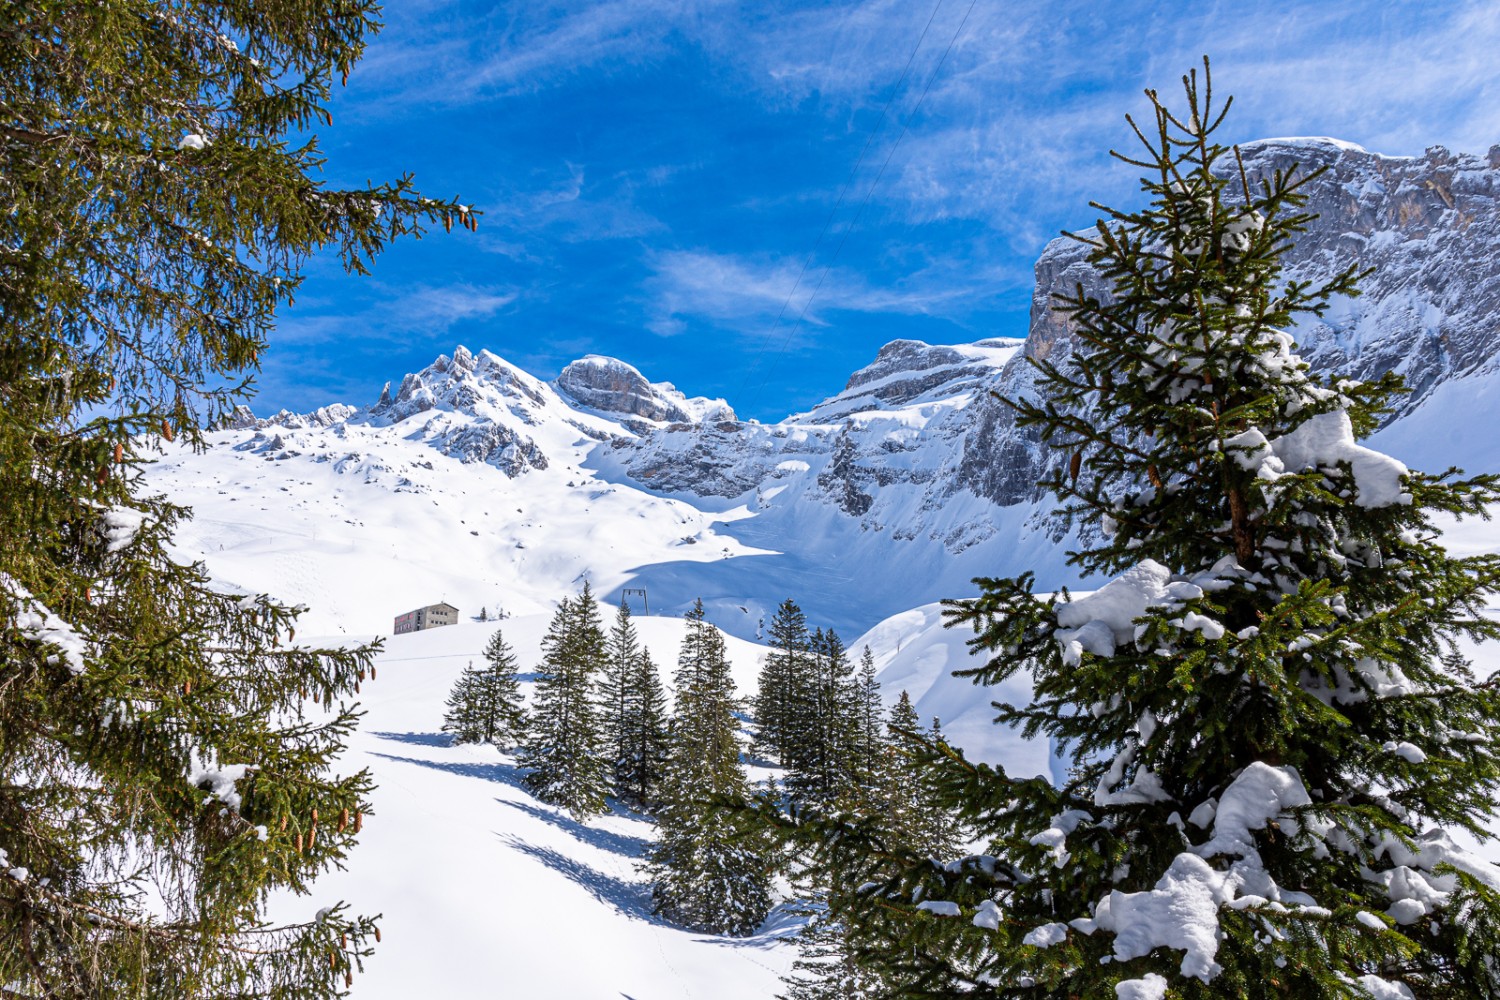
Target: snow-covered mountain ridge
{"points": [[911, 479], [476, 482]]}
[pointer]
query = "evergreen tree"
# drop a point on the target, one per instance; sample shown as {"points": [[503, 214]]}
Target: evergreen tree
{"points": [[826, 967], [622, 648], [502, 706], [486, 706], [910, 810], [564, 754], [462, 717], [1270, 749], [867, 726], [820, 753], [158, 777], [898, 808], [705, 874], [902, 804], [634, 707], [778, 688], [646, 744]]}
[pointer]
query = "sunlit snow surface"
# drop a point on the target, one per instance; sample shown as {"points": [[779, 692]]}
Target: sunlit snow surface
{"points": [[484, 891], [488, 893]]}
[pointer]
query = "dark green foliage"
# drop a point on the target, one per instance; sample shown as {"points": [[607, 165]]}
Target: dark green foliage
{"points": [[634, 708], [486, 706], [705, 874], [894, 812], [1260, 709], [909, 808], [866, 723], [809, 711], [820, 749], [646, 743], [781, 682], [462, 716], [139, 276], [565, 742], [826, 967]]}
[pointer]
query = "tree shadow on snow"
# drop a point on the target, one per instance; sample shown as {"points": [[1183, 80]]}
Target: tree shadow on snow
{"points": [[418, 739], [631, 899], [505, 774], [605, 840]]}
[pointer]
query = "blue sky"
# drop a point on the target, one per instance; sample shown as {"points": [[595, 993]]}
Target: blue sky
{"points": [[656, 174]]}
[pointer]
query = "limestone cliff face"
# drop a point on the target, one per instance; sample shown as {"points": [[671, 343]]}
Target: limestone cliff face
{"points": [[614, 388], [1428, 225]]}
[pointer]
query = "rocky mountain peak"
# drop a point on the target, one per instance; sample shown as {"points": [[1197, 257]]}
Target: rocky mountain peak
{"points": [[612, 387], [1429, 225], [906, 371], [477, 385]]}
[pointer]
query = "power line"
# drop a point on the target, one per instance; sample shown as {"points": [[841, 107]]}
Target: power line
{"points": [[843, 192], [868, 193]]}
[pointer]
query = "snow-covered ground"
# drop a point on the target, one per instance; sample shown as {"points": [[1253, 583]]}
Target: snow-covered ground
{"points": [[485, 891]]}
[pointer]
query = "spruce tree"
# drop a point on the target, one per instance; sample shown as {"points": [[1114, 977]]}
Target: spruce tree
{"points": [[866, 725], [646, 743], [822, 722], [784, 668], [503, 706], [159, 195], [634, 711], [826, 967], [564, 753], [704, 873], [622, 649], [901, 802], [1271, 751], [462, 716], [898, 810]]}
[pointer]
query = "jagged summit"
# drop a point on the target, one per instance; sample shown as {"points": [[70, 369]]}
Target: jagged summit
{"points": [[480, 385], [613, 387], [914, 464]]}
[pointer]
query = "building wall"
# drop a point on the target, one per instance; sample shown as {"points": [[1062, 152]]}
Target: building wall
{"points": [[432, 616]]}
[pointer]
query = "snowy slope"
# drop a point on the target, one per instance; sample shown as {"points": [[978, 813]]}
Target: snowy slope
{"points": [[476, 483], [487, 892]]}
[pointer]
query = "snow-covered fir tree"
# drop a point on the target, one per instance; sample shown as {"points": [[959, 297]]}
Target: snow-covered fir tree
{"points": [[461, 719], [564, 752], [1272, 753], [486, 705], [705, 873]]}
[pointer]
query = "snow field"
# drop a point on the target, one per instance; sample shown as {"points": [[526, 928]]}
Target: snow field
{"points": [[484, 890]]}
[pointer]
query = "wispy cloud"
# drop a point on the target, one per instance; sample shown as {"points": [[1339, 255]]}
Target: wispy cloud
{"points": [[748, 294], [386, 312], [669, 164]]}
